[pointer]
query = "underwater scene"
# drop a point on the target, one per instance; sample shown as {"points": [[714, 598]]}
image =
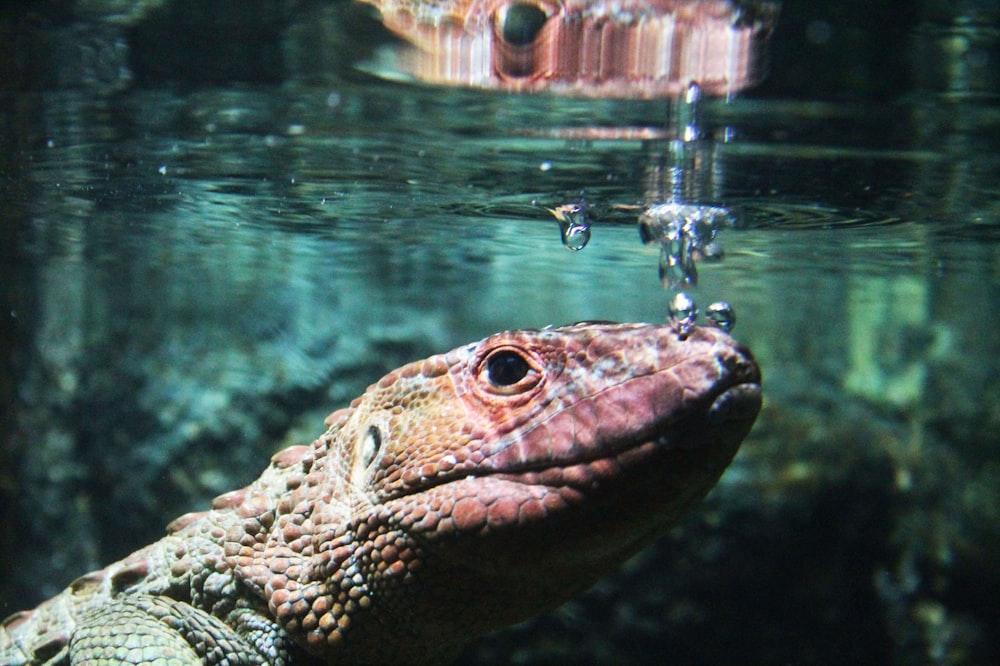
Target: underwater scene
{"points": [[222, 221]]}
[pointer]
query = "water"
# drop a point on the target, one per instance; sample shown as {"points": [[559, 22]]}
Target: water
{"points": [[193, 278]]}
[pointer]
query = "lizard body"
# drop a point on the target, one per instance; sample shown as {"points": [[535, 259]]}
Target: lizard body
{"points": [[457, 495]]}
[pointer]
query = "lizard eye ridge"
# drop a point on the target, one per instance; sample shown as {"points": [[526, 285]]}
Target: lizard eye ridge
{"points": [[506, 367]]}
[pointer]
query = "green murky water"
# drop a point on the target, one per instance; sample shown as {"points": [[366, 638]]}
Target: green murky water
{"points": [[193, 277]]}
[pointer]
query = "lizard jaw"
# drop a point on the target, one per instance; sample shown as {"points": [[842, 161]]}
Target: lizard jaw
{"points": [[712, 432], [672, 465]]}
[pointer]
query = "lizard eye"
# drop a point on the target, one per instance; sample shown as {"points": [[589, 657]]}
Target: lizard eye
{"points": [[508, 370], [506, 367], [520, 23]]}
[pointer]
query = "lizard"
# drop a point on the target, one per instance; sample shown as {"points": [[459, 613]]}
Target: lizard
{"points": [[584, 48], [457, 495]]}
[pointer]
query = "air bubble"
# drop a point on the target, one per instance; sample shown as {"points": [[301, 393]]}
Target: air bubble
{"points": [[576, 236], [687, 114], [686, 232], [722, 315], [683, 312], [677, 266], [573, 224]]}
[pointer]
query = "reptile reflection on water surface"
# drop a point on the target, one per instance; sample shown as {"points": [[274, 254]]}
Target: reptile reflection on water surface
{"points": [[587, 48]]}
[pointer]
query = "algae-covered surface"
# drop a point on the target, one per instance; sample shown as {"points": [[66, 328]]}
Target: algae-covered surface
{"points": [[200, 260]]}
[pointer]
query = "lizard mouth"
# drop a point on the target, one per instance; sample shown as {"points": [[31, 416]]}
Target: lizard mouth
{"points": [[711, 430], [733, 405], [641, 482]]}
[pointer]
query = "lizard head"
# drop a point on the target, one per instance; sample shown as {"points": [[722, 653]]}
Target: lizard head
{"points": [[503, 477]]}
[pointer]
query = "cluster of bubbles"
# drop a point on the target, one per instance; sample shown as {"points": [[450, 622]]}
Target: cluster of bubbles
{"points": [[686, 233], [675, 217], [683, 314]]}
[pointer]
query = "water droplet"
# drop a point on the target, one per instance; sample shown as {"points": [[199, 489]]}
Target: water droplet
{"points": [[576, 236], [683, 312], [693, 93], [573, 224], [688, 114], [677, 266], [721, 314]]}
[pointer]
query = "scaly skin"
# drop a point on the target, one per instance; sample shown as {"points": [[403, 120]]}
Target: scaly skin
{"points": [[459, 494]]}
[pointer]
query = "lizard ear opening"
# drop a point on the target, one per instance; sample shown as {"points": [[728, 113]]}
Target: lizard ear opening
{"points": [[370, 445]]}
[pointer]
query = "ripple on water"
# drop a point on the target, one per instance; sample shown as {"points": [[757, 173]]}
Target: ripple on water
{"points": [[811, 216]]}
